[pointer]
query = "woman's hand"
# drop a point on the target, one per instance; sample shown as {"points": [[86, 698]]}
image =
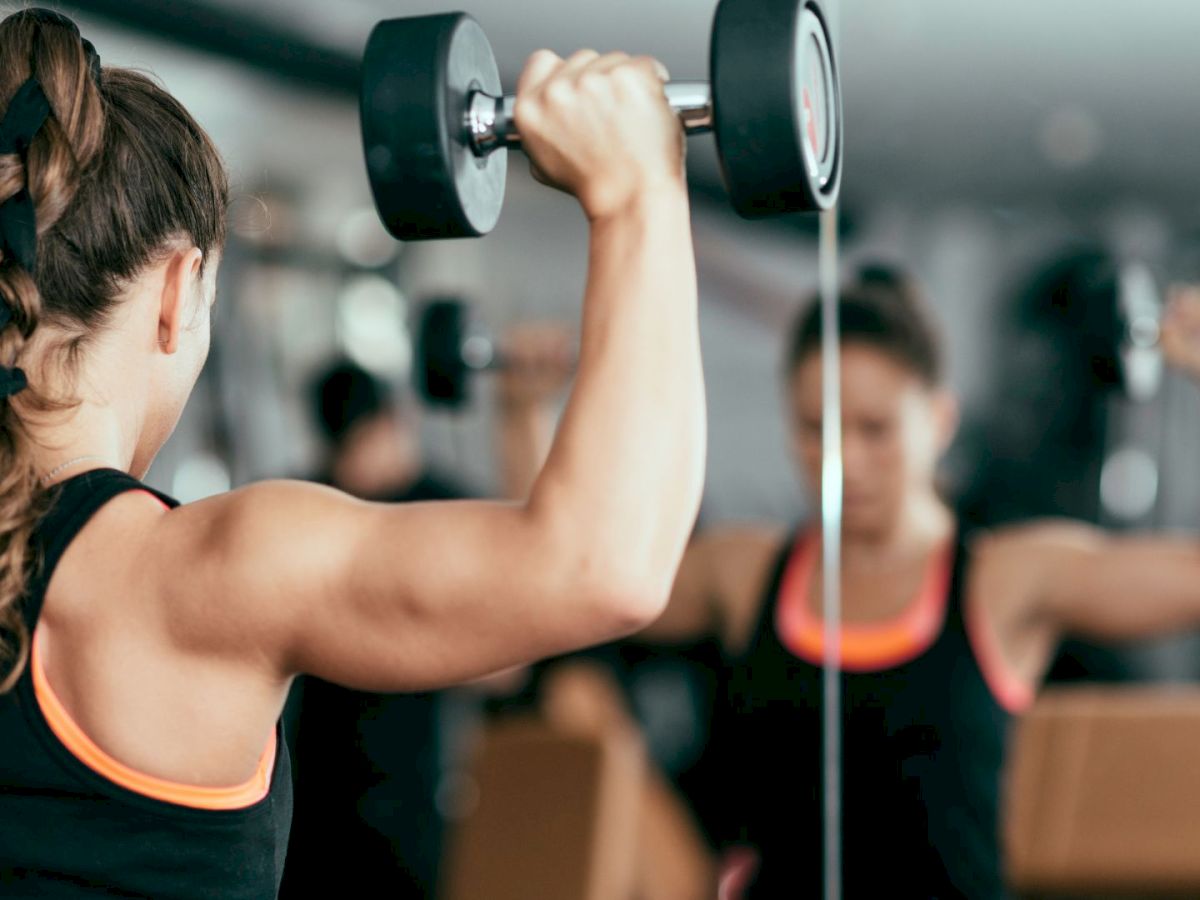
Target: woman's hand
{"points": [[1181, 329], [600, 127]]}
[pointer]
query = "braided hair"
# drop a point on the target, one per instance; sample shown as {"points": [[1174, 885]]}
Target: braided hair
{"points": [[101, 170]]}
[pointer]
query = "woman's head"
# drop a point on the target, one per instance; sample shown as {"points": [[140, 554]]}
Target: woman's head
{"points": [[112, 216], [897, 416]]}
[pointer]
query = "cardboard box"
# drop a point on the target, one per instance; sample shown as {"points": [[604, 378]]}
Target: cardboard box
{"points": [[556, 817], [1104, 793]]}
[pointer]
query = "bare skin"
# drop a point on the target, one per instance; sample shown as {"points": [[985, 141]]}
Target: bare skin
{"points": [[172, 637]]}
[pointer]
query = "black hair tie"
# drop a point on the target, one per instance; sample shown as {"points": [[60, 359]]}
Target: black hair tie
{"points": [[26, 114], [12, 381]]}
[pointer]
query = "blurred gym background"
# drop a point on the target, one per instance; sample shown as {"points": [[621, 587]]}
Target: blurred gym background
{"points": [[1026, 160]]}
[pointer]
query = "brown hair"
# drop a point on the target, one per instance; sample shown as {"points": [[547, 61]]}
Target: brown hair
{"points": [[118, 172], [883, 308]]}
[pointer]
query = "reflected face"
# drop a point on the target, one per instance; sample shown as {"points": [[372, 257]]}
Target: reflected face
{"points": [[895, 428]]}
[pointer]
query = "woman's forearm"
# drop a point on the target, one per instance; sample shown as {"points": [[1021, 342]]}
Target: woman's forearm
{"points": [[627, 466]]}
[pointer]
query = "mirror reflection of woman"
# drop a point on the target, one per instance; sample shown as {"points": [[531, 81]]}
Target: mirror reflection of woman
{"points": [[947, 633]]}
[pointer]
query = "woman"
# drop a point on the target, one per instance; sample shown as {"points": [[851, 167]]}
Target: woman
{"points": [[946, 635], [150, 647]]}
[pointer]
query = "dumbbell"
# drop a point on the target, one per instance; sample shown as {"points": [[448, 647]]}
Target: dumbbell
{"points": [[448, 348], [436, 125], [1114, 309]]}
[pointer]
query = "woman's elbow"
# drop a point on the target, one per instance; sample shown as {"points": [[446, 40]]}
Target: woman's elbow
{"points": [[621, 576], [626, 600]]}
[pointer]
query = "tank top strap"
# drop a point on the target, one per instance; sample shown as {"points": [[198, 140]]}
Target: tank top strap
{"points": [[74, 503], [957, 597], [764, 623]]}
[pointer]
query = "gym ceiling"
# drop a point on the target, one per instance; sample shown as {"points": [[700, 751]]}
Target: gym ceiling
{"points": [[1019, 104]]}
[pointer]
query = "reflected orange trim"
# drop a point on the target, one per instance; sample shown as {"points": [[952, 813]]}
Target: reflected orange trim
{"points": [[865, 647], [85, 750], [1011, 691]]}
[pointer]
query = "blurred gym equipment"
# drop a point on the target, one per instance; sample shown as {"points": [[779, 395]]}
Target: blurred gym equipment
{"points": [[1103, 793], [556, 817], [450, 345]]}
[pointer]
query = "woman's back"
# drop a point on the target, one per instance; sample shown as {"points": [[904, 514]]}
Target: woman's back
{"points": [[74, 820]]}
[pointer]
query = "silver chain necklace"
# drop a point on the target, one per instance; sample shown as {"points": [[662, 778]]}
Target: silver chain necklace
{"points": [[49, 476]]}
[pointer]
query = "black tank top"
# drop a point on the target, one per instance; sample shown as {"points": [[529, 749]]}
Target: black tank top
{"points": [[66, 831], [923, 746]]}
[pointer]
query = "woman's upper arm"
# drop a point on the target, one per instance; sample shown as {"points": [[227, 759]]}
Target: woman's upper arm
{"points": [[1112, 586], [378, 596]]}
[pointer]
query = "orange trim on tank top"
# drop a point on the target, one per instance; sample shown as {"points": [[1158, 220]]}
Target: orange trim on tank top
{"points": [[87, 752], [865, 646], [1009, 689]]}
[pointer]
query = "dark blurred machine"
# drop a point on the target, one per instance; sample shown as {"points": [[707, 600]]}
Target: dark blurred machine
{"points": [[1075, 426]]}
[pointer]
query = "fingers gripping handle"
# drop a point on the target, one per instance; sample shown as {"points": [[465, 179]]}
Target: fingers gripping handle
{"points": [[490, 123]]}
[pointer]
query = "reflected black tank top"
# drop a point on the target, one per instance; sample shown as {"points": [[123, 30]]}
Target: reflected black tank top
{"points": [[923, 747]]}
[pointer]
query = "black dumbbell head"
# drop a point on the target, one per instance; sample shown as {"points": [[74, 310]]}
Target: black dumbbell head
{"points": [[776, 106], [441, 371], [417, 75]]}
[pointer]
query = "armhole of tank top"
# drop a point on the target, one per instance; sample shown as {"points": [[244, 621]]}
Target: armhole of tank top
{"points": [[1010, 690], [87, 753], [72, 739]]}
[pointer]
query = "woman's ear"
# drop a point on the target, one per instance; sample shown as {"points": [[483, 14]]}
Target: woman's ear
{"points": [[181, 279]]}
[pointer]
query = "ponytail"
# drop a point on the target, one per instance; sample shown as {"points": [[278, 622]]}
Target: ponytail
{"points": [[100, 169]]}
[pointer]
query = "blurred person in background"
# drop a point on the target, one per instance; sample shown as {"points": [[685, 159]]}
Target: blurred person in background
{"points": [[375, 773], [368, 766]]}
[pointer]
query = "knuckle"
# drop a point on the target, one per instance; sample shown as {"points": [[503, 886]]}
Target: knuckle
{"points": [[630, 78], [592, 81], [557, 93]]}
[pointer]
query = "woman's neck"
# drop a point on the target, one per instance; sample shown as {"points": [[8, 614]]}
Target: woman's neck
{"points": [[923, 523], [86, 433], [106, 399]]}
